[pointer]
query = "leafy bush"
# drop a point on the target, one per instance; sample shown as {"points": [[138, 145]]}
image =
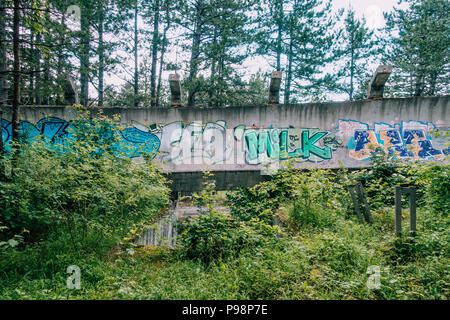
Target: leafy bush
{"points": [[217, 235], [437, 179], [311, 196], [385, 173], [261, 200], [85, 186], [318, 198], [430, 179]]}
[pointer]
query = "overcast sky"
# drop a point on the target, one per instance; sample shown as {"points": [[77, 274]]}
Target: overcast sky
{"points": [[372, 10]]}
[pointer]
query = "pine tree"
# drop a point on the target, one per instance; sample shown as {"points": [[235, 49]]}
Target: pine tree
{"points": [[359, 48], [85, 50], [157, 15], [167, 7], [218, 38], [302, 35], [270, 30], [226, 52], [109, 20], [418, 46]]}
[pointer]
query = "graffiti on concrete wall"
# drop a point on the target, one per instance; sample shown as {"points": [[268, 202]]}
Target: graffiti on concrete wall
{"points": [[194, 142], [262, 145], [214, 143], [132, 141], [408, 139]]}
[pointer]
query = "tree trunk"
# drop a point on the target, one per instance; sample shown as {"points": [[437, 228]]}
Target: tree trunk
{"points": [[418, 91], [84, 57], [195, 54], [419, 85], [155, 43], [287, 90], [280, 30], [161, 60], [16, 87], [433, 81], [32, 65], [213, 76], [16, 66], [46, 82], [3, 58], [221, 64], [352, 72], [101, 57], [37, 68], [60, 72], [136, 70]]}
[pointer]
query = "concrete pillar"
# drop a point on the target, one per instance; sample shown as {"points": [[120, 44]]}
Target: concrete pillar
{"points": [[376, 86], [175, 90], [274, 89]]}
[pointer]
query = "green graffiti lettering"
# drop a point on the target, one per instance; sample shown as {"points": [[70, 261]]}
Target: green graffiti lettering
{"points": [[262, 142], [273, 144], [252, 143], [283, 145], [308, 145]]}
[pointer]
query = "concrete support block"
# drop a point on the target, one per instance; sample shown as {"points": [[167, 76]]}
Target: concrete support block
{"points": [[175, 90], [274, 89], [376, 86]]}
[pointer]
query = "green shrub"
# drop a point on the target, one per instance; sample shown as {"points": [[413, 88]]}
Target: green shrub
{"points": [[313, 197], [437, 179], [216, 235], [259, 201], [314, 216], [380, 179], [85, 186], [306, 188], [318, 198]]}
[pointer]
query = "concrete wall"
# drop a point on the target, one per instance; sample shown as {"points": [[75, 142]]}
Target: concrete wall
{"points": [[248, 138]]}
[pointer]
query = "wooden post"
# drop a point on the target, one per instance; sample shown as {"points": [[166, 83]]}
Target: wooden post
{"points": [[411, 192], [362, 197], [274, 89], [352, 190], [359, 196], [398, 212], [412, 210]]}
